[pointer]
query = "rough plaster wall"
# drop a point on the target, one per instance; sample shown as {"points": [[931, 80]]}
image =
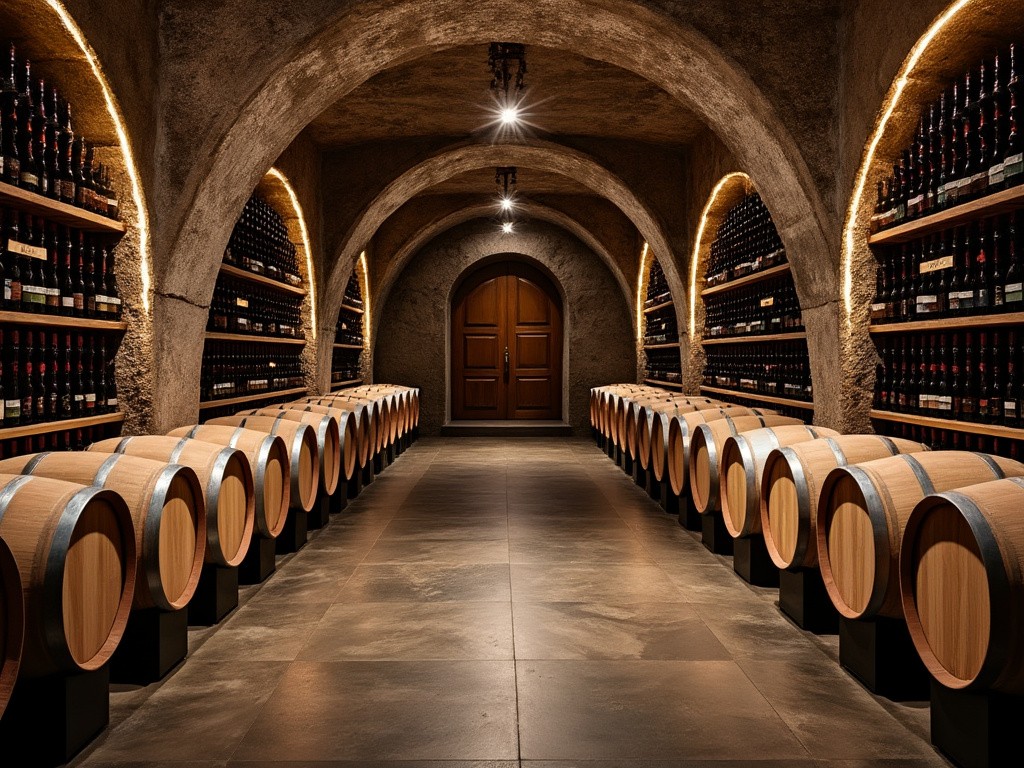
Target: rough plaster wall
{"points": [[412, 342]]}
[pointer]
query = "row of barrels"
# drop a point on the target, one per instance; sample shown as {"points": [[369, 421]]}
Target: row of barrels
{"points": [[896, 531], [128, 524]]}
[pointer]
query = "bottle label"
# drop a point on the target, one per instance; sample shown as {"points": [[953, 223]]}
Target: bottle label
{"points": [[12, 409], [79, 398], [768, 302], [68, 301], [7, 289], [79, 301], [996, 174], [877, 311], [112, 402], [1009, 407], [29, 178], [927, 304], [1013, 165], [90, 399], [244, 303], [945, 403], [24, 249], [15, 291], [927, 267], [1014, 292]]}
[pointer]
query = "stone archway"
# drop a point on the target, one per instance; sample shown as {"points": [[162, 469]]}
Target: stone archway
{"points": [[413, 343]]}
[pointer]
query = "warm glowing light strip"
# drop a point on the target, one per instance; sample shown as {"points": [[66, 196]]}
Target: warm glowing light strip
{"points": [[869, 154], [367, 317], [311, 279], [639, 295], [141, 212], [700, 238]]}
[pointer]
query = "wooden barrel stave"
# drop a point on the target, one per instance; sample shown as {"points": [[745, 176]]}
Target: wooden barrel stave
{"points": [[743, 458], [227, 482], [12, 623], [863, 510], [75, 549], [791, 484], [962, 585], [299, 440], [168, 513]]}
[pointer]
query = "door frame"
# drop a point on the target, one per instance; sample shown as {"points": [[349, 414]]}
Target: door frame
{"points": [[545, 278]]}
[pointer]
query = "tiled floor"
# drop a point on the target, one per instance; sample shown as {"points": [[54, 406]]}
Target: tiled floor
{"points": [[505, 602]]}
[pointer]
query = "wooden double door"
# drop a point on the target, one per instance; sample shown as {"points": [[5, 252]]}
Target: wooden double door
{"points": [[506, 345]]}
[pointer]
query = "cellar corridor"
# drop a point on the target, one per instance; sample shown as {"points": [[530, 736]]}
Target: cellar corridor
{"points": [[507, 602]]}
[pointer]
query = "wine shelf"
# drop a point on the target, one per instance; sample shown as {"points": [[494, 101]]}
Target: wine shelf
{"points": [[60, 321], [755, 339], [807, 406], [659, 383], [669, 345], [28, 430], [950, 323], [656, 307], [350, 308], [348, 346], [252, 277], [1004, 201], [756, 277], [278, 393], [253, 338], [343, 384], [62, 213], [989, 430]]}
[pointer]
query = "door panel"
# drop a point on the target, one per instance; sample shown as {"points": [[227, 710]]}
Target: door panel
{"points": [[506, 309]]}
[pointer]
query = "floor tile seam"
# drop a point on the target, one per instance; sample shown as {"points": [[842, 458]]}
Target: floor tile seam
{"points": [[512, 614]]}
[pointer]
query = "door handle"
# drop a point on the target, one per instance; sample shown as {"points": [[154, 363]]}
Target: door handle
{"points": [[506, 362]]}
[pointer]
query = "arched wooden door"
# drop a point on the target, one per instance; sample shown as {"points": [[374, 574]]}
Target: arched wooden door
{"points": [[506, 345]]}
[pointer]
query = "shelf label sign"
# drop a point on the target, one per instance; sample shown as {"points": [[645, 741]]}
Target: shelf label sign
{"points": [[770, 301], [244, 303], [935, 265], [24, 249]]}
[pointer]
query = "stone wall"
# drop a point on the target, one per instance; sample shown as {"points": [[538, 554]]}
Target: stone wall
{"points": [[412, 340]]}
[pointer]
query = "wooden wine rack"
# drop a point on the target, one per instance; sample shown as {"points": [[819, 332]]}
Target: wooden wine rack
{"points": [[46, 427], [970, 427], [751, 279], [659, 383], [774, 399], [253, 338], [53, 210], [252, 397], [351, 357], [343, 384], [61, 321], [754, 338], [951, 323], [662, 309], [252, 277]]}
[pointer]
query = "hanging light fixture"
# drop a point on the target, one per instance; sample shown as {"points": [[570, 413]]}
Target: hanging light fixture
{"points": [[507, 63], [505, 178]]}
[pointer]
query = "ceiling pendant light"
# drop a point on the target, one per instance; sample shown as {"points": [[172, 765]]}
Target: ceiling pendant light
{"points": [[505, 178]]}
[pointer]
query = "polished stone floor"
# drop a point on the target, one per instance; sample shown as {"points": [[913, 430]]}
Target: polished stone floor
{"points": [[503, 602]]}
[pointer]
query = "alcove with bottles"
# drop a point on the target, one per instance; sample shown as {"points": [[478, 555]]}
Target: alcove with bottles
{"points": [[60, 222], [754, 346], [346, 354], [663, 365], [946, 317], [256, 330]]}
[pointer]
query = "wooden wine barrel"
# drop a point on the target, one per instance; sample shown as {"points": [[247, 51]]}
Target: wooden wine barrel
{"points": [[742, 463], [271, 471], [962, 580], [706, 455], [609, 401], [299, 441], [75, 549], [863, 511], [791, 483], [167, 508], [680, 432], [328, 440], [379, 414], [398, 398], [226, 479], [12, 623], [652, 428], [371, 421], [363, 445], [348, 432], [636, 412]]}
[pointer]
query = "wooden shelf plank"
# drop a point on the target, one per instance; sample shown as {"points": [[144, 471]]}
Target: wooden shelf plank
{"points": [[254, 338], [252, 277], [989, 430], [59, 426], [660, 383], [656, 307], [60, 321], [669, 345], [350, 308], [280, 393], [62, 213], [789, 402], [1004, 201], [343, 384], [739, 282], [950, 323], [755, 339], [348, 346]]}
